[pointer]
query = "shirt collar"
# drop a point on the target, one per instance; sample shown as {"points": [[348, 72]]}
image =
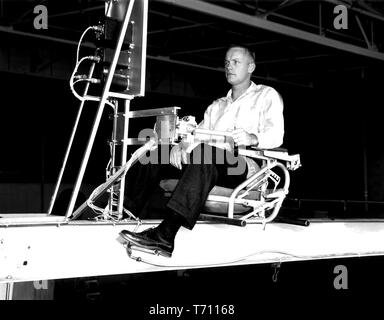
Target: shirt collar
{"points": [[252, 87]]}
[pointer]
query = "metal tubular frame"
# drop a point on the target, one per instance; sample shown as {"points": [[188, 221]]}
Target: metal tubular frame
{"points": [[124, 155], [100, 109], [115, 177], [259, 207], [268, 201], [53, 198], [369, 46], [119, 175]]}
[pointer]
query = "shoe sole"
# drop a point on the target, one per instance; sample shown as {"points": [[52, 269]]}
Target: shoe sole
{"points": [[156, 249]]}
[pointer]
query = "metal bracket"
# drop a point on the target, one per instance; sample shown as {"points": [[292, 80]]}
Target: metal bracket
{"points": [[276, 269]]}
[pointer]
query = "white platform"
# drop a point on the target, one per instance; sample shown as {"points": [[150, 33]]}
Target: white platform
{"points": [[37, 247]]}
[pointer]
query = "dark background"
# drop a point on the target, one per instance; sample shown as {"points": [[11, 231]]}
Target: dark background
{"points": [[333, 118], [331, 126], [333, 99]]}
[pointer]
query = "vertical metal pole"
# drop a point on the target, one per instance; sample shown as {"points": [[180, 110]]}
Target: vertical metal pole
{"points": [[53, 198], [9, 290], [113, 150], [365, 165], [103, 100], [124, 155], [365, 179], [42, 173], [365, 160], [363, 32]]}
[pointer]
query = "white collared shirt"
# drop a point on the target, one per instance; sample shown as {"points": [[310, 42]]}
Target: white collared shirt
{"points": [[259, 111]]}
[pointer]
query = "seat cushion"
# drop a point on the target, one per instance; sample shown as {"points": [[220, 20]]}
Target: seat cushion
{"points": [[212, 206]]}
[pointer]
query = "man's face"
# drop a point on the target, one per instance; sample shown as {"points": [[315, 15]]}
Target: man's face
{"points": [[238, 66]]}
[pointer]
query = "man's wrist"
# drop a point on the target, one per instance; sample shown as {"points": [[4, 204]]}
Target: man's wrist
{"points": [[254, 140], [183, 145]]}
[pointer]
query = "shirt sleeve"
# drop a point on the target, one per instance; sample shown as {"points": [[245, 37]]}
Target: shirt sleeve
{"points": [[204, 124], [270, 132]]}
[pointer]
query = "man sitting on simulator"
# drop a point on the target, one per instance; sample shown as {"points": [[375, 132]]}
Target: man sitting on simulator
{"points": [[254, 116]]}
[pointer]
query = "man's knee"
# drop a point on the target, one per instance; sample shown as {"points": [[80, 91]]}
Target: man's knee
{"points": [[206, 154]]}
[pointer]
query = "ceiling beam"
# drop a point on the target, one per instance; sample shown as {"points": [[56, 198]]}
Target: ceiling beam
{"points": [[197, 25], [284, 4], [218, 11], [210, 25], [292, 59], [222, 47], [315, 27], [155, 58], [353, 8], [37, 36], [76, 12], [222, 70], [25, 14]]}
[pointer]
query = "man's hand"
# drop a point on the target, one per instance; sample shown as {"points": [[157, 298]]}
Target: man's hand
{"points": [[243, 138], [178, 156]]}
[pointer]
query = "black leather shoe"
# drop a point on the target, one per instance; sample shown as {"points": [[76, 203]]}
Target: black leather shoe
{"points": [[150, 239]]}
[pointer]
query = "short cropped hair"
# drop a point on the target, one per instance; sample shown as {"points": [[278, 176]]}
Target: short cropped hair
{"points": [[247, 50]]}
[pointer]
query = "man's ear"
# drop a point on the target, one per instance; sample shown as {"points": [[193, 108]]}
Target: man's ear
{"points": [[251, 67]]}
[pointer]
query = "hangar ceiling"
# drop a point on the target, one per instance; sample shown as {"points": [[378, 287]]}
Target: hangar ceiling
{"points": [[294, 40]]}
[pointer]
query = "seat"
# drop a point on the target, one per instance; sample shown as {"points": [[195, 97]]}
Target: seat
{"points": [[256, 200]]}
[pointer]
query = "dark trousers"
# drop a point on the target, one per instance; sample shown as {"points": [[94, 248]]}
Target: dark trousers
{"points": [[207, 166]]}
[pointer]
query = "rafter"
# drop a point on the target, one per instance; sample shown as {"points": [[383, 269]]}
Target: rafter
{"points": [[284, 4], [257, 22], [192, 26], [353, 8], [222, 47]]}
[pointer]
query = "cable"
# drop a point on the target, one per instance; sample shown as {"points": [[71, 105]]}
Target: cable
{"points": [[287, 254], [122, 171], [84, 77], [96, 28], [79, 44], [72, 82], [139, 259]]}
